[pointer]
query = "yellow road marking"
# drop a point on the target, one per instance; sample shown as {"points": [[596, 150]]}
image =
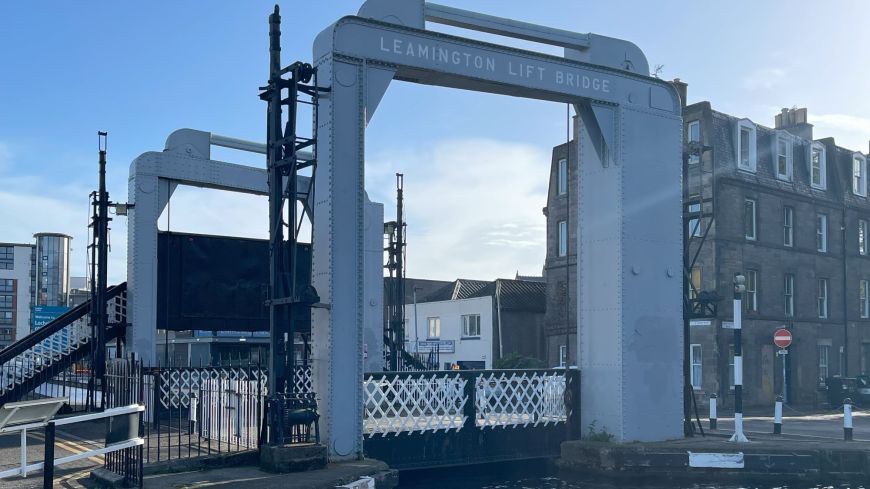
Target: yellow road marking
{"points": [[69, 446]]}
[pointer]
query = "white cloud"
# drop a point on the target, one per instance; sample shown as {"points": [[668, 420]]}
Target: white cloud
{"points": [[474, 207], [474, 210], [763, 79], [848, 130]]}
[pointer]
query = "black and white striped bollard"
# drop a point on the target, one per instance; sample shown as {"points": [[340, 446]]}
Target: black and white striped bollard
{"points": [[739, 288], [713, 399], [847, 419], [777, 416]]}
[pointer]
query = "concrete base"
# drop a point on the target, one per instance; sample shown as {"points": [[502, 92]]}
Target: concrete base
{"points": [[107, 479], [292, 458], [765, 458]]}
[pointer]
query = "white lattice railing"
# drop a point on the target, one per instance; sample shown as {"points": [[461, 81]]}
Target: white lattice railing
{"points": [[520, 398], [42, 355], [397, 403], [406, 403], [175, 385]]}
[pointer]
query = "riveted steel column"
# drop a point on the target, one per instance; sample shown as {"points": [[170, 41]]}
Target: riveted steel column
{"points": [[337, 268]]}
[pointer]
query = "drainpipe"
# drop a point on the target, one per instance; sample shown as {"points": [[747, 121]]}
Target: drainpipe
{"points": [[845, 372]]}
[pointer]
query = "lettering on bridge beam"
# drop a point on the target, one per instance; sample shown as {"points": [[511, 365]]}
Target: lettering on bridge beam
{"points": [[515, 68]]}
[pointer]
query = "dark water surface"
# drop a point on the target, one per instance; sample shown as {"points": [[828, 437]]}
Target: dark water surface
{"points": [[539, 476]]}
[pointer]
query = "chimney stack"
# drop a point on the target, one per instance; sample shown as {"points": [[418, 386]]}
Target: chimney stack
{"points": [[795, 121], [682, 89]]}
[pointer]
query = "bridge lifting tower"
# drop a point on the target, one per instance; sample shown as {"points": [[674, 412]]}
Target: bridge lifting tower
{"points": [[286, 300], [395, 300]]}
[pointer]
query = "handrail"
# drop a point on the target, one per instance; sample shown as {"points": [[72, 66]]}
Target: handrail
{"points": [[58, 324], [24, 468]]}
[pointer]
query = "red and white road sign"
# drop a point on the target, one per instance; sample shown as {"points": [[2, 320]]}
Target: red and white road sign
{"points": [[782, 338]]}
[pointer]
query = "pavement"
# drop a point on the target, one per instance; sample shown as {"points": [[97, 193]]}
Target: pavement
{"points": [[819, 426]]}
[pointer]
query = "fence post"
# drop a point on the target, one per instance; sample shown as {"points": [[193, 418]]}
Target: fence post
{"points": [[48, 469], [470, 393], [847, 419], [713, 416]]}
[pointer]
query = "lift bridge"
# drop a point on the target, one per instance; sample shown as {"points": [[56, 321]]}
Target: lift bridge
{"points": [[629, 337]]}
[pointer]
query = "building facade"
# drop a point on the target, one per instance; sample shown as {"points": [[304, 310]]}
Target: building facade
{"points": [[474, 323], [560, 264], [52, 269], [788, 212], [32, 275], [16, 273]]}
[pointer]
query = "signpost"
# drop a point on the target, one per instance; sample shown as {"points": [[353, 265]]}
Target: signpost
{"points": [[782, 338]]}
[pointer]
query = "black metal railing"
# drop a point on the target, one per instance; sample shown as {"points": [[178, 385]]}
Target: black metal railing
{"points": [[125, 386]]}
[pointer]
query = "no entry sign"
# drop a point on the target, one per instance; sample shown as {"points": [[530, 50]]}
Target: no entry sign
{"points": [[782, 338]]}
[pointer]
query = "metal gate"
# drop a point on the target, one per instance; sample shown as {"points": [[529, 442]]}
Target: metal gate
{"points": [[125, 386]]}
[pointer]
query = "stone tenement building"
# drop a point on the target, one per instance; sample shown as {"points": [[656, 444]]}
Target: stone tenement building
{"points": [[791, 214], [788, 212], [560, 265]]}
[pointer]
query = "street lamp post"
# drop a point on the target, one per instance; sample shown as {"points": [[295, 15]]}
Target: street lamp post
{"points": [[739, 287]]}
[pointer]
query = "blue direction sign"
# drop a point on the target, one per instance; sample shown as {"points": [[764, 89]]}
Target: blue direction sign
{"points": [[42, 315]]}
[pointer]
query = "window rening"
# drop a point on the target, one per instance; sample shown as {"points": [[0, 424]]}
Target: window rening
{"points": [[696, 223], [750, 297], [6, 284], [695, 283], [862, 236], [822, 233], [563, 238], [824, 354], [783, 159], [697, 366], [859, 175], [822, 303], [818, 166], [788, 295], [693, 135], [434, 329], [563, 356], [7, 258], [563, 176], [864, 298], [749, 219], [746, 145], [471, 325], [787, 226]]}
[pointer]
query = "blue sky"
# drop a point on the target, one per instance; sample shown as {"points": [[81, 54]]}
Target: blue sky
{"points": [[476, 165]]}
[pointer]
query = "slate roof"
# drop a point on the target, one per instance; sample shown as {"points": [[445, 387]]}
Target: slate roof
{"points": [[520, 295]]}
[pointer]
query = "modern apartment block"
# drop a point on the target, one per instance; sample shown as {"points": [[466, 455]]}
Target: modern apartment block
{"points": [[16, 262], [787, 211], [31, 275]]}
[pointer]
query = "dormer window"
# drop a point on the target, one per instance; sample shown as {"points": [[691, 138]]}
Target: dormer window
{"points": [[818, 166], [782, 156], [746, 145], [859, 175], [693, 133]]}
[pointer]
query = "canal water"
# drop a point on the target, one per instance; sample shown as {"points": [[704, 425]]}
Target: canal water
{"points": [[538, 476]]}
